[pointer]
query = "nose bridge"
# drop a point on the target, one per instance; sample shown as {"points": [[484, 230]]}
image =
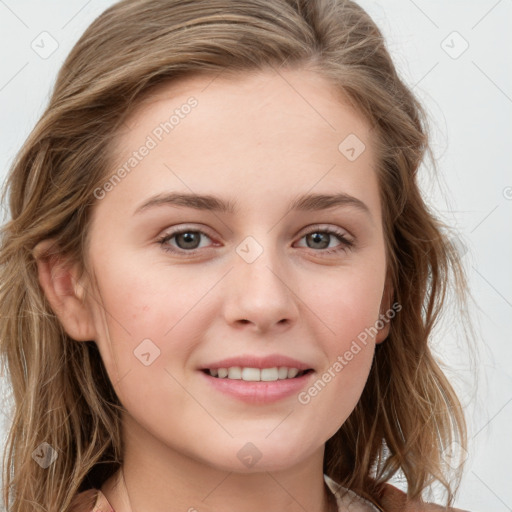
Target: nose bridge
{"points": [[259, 291], [258, 262]]}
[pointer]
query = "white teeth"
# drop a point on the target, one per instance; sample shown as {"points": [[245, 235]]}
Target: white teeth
{"points": [[251, 374], [235, 372], [282, 373], [269, 374], [255, 374], [292, 372]]}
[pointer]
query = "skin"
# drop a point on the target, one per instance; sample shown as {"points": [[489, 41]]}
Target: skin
{"points": [[259, 140]]}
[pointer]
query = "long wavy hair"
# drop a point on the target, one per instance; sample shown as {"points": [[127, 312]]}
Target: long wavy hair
{"points": [[408, 414]]}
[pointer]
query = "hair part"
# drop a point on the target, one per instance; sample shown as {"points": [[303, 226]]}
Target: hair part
{"points": [[62, 393]]}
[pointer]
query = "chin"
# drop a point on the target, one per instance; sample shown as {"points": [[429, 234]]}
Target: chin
{"points": [[261, 455]]}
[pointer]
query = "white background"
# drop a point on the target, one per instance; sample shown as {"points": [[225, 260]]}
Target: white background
{"points": [[469, 100]]}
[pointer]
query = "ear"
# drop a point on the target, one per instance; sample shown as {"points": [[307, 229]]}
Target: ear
{"points": [[58, 278], [385, 305]]}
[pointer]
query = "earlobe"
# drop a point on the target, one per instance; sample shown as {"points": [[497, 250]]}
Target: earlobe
{"points": [[58, 279]]}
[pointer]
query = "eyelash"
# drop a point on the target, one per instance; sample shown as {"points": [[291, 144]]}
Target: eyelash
{"points": [[345, 246]]}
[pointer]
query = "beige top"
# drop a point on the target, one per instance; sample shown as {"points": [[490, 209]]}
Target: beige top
{"points": [[350, 500], [394, 500], [93, 500]]}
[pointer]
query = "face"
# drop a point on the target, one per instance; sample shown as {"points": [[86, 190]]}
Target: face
{"points": [[255, 278]]}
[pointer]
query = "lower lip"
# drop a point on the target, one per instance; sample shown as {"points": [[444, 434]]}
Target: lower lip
{"points": [[259, 392]]}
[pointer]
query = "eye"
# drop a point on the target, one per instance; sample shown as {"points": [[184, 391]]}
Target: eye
{"points": [[322, 237], [187, 240]]}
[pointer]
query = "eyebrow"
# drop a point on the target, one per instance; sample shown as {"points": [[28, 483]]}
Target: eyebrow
{"points": [[305, 202]]}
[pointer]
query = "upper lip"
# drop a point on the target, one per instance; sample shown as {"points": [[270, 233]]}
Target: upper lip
{"points": [[251, 361]]}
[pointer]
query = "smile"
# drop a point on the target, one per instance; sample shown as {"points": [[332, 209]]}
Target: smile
{"points": [[256, 374]]}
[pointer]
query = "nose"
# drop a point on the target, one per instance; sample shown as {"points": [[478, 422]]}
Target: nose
{"points": [[259, 294]]}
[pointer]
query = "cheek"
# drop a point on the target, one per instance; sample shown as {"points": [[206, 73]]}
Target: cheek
{"points": [[347, 302], [144, 335], [348, 311], [142, 316]]}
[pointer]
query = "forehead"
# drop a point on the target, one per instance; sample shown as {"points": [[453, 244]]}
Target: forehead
{"points": [[273, 133], [294, 100]]}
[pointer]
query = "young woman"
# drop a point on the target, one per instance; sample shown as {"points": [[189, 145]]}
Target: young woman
{"points": [[220, 279]]}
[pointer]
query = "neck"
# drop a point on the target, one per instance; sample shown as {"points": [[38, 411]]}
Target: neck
{"points": [[155, 478]]}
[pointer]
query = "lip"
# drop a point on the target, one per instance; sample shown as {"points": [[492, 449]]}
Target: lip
{"points": [[251, 361], [258, 392]]}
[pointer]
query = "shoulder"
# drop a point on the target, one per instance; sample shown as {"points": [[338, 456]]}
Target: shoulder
{"points": [[393, 499], [91, 500], [388, 498]]}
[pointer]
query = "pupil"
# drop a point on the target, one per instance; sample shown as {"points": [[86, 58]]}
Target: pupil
{"points": [[317, 238], [189, 238]]}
